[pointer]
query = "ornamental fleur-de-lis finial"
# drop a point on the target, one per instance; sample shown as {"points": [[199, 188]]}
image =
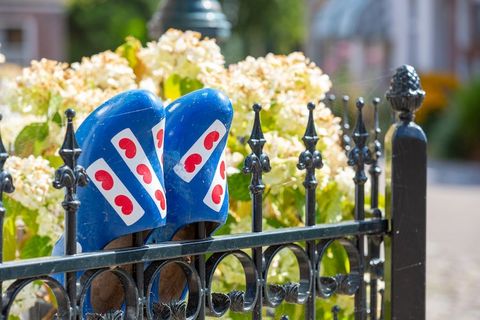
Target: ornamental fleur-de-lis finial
{"points": [[405, 93], [360, 154], [310, 159], [70, 175], [6, 181], [257, 162]]}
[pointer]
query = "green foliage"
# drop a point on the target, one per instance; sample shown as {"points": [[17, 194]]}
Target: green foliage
{"points": [[176, 86], [29, 140], [36, 246], [456, 135], [261, 26], [98, 25]]}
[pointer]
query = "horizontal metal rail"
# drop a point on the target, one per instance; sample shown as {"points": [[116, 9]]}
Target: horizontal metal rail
{"points": [[83, 261]]}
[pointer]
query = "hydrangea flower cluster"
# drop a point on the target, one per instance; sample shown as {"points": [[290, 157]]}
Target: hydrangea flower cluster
{"points": [[179, 62]]}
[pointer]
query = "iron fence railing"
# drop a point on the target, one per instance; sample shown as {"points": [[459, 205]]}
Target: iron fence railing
{"points": [[400, 231]]}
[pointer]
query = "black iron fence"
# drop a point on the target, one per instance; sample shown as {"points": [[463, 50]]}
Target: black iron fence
{"points": [[400, 231]]}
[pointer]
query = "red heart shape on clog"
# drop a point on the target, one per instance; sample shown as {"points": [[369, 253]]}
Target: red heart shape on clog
{"points": [[129, 147], [161, 198], [160, 138], [105, 178], [145, 173], [222, 169], [192, 161], [217, 193], [210, 139], [124, 203]]}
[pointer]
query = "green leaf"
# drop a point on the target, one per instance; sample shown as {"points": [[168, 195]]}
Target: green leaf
{"points": [[30, 139], [129, 50], [29, 216], [188, 85], [171, 87], [57, 119], [36, 246], [176, 86], [9, 238], [227, 227], [238, 186]]}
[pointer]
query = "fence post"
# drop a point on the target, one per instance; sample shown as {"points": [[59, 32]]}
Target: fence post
{"points": [[406, 166], [310, 160], [256, 163], [358, 157], [6, 185], [70, 176]]}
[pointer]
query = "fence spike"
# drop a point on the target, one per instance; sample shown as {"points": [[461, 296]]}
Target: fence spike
{"points": [[6, 185], [310, 160], [358, 156], [69, 176], [374, 241], [6, 181], [346, 140], [256, 163]]}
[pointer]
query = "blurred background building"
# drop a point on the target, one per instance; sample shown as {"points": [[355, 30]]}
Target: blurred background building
{"points": [[33, 29], [363, 37]]}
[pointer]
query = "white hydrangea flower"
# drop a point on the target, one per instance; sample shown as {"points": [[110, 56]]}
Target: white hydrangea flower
{"points": [[33, 178], [182, 53]]}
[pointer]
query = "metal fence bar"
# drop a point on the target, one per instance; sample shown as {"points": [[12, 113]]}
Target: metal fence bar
{"points": [[6, 185], [171, 250], [374, 241], [358, 157], [310, 160], [256, 163], [69, 176], [406, 155]]}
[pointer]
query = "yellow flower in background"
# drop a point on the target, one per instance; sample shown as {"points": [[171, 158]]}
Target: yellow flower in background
{"points": [[439, 87]]}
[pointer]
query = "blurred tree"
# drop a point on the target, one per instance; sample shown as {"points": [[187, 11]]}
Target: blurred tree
{"points": [[259, 26], [262, 26], [98, 25]]}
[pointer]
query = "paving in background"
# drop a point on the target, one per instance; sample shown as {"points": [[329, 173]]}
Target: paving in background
{"points": [[453, 242]]}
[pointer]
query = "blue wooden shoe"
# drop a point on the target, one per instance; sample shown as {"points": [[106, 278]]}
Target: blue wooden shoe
{"points": [[122, 143], [196, 130]]}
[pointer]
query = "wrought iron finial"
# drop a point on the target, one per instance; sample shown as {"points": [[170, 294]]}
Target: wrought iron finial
{"points": [[6, 181], [360, 154], [377, 146], [405, 93], [335, 312], [70, 175], [346, 141], [257, 162], [310, 159]]}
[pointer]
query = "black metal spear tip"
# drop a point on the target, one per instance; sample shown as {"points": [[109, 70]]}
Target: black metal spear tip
{"points": [[310, 159], [257, 162], [405, 93], [70, 151], [360, 133], [257, 140], [360, 154]]}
